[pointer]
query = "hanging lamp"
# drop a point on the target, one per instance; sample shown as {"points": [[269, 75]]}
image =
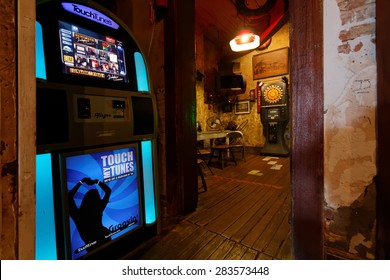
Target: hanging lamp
{"points": [[244, 41]]}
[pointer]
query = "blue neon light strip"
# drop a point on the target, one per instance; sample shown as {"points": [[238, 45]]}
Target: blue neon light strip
{"points": [[40, 67], [140, 69], [89, 13], [147, 165], [45, 240]]}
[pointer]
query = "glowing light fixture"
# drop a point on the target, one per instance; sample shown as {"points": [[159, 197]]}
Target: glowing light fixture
{"points": [[245, 40]]}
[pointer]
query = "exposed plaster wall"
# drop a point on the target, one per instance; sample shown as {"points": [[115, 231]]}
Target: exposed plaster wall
{"points": [[208, 57], [254, 131], [350, 140]]}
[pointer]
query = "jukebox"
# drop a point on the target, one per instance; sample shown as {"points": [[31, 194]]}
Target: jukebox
{"points": [[96, 135]]}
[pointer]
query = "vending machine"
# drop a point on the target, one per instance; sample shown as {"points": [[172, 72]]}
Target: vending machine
{"points": [[96, 188], [275, 117]]}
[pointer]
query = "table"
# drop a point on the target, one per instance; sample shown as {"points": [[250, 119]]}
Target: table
{"points": [[213, 134]]}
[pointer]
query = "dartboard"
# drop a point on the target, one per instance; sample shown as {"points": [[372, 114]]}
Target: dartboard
{"points": [[273, 93]]}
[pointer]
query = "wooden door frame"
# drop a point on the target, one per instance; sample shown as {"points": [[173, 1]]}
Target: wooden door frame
{"points": [[307, 170], [383, 135], [307, 155], [26, 107]]}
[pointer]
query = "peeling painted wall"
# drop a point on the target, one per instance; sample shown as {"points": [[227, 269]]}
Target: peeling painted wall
{"points": [[350, 137]]}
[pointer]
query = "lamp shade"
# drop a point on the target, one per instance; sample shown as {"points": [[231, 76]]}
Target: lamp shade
{"points": [[245, 40]]}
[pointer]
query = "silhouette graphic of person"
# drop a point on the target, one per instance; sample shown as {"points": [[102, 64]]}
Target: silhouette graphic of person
{"points": [[88, 218]]}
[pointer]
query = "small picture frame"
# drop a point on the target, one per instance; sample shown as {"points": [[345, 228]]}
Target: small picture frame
{"points": [[242, 107], [252, 95]]}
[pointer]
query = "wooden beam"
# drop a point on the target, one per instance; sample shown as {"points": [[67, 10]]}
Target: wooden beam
{"points": [[383, 136], [307, 170], [180, 107], [26, 128]]}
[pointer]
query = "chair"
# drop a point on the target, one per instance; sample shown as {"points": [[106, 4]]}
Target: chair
{"points": [[224, 151], [201, 164], [203, 154], [200, 167], [236, 141]]}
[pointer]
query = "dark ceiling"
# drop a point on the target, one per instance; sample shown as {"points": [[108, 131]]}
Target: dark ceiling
{"points": [[223, 19], [218, 18]]}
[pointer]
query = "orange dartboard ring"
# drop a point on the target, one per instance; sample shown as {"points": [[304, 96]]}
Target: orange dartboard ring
{"points": [[273, 94]]}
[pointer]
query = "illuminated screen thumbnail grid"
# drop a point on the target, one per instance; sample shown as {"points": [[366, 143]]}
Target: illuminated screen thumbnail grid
{"points": [[86, 53]]}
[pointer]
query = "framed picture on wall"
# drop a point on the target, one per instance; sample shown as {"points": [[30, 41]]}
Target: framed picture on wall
{"points": [[242, 107], [270, 64]]}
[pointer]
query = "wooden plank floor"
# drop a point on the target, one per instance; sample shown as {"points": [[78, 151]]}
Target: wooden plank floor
{"points": [[243, 215]]}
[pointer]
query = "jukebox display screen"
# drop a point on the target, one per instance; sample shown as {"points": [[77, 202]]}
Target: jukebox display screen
{"points": [[86, 53], [102, 198]]}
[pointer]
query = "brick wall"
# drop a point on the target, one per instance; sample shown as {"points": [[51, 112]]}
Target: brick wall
{"points": [[350, 136]]}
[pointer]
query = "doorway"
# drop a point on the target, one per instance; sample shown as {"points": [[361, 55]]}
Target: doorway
{"points": [[221, 111], [306, 72]]}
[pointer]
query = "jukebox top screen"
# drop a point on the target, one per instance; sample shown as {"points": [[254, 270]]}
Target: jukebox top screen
{"points": [[86, 53]]}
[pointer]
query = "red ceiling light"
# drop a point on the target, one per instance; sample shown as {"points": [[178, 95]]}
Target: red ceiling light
{"points": [[245, 40]]}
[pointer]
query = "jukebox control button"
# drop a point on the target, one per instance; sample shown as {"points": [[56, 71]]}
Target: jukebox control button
{"points": [[83, 108]]}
